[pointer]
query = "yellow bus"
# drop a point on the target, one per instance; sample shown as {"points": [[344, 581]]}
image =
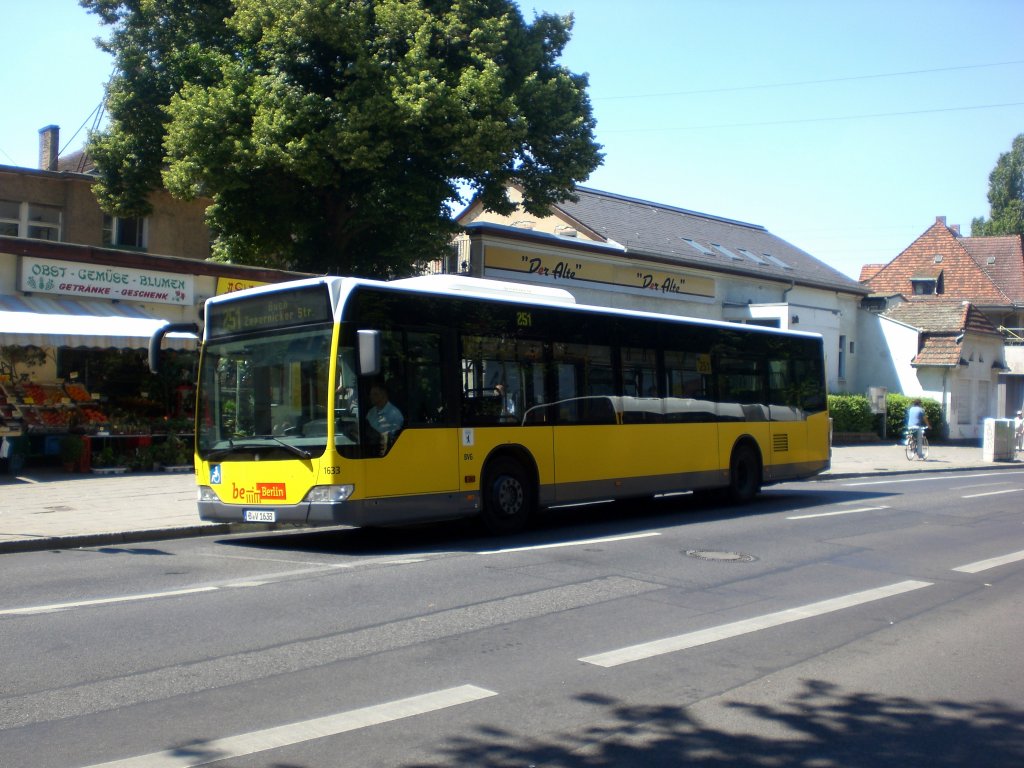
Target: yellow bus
{"points": [[341, 401]]}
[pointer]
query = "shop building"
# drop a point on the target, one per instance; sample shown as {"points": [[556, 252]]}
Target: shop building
{"points": [[80, 295], [618, 251]]}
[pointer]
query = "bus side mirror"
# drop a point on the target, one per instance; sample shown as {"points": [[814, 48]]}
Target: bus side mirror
{"points": [[369, 352], [158, 336]]}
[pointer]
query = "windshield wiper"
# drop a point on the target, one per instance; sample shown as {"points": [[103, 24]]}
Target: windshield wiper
{"points": [[300, 452], [242, 447], [220, 453]]}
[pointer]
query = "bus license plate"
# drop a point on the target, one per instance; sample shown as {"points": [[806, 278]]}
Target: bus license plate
{"points": [[260, 516]]}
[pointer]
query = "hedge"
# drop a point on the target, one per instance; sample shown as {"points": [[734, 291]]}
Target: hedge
{"points": [[852, 413]]}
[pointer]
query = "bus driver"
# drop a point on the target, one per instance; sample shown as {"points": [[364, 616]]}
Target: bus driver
{"points": [[384, 418]]}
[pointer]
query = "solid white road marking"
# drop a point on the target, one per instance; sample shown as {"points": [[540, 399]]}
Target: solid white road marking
{"points": [[203, 753], [990, 493], [257, 580], [839, 512], [993, 562], [737, 628], [579, 543], [101, 601]]}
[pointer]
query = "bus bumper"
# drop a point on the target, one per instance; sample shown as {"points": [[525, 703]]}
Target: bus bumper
{"points": [[363, 512]]}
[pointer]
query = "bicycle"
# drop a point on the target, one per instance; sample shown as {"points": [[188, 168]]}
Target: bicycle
{"points": [[914, 451]]}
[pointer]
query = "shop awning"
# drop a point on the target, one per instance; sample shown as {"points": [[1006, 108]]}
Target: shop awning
{"points": [[60, 322]]}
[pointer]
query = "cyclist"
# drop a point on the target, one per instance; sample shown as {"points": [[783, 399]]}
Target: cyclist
{"points": [[917, 422]]}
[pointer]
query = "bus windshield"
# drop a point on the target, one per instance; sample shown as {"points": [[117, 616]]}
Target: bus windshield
{"points": [[266, 397]]}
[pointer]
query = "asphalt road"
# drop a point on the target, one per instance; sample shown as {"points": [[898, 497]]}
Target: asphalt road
{"points": [[854, 622]]}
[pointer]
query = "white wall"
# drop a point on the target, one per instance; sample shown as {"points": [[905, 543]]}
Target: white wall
{"points": [[968, 394]]}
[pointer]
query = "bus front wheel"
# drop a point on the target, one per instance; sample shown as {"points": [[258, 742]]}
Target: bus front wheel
{"points": [[744, 475], [508, 497]]}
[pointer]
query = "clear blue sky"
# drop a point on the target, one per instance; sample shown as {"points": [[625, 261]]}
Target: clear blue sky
{"points": [[843, 127]]}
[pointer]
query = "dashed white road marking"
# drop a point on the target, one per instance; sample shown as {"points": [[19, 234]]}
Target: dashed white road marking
{"points": [[203, 753], [746, 626], [992, 562], [991, 493], [577, 543], [36, 609], [837, 512]]}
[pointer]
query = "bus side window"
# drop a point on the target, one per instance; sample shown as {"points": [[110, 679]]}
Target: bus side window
{"points": [[639, 372], [425, 395]]}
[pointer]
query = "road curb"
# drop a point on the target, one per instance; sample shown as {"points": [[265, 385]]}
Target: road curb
{"points": [[84, 540], [829, 475]]}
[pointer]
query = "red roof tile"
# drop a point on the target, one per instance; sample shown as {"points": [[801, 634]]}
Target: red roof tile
{"points": [[1002, 258], [966, 271], [938, 351]]}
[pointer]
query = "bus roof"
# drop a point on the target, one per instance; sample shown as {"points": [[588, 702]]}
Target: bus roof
{"points": [[465, 286]]}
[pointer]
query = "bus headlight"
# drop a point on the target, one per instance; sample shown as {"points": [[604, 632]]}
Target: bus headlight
{"points": [[329, 494], [206, 493]]}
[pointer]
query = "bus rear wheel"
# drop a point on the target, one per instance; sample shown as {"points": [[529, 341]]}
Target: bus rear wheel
{"points": [[508, 497], [744, 475]]}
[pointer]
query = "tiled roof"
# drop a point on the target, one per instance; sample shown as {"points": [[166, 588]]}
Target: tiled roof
{"points": [[938, 351], [870, 270], [76, 162], [988, 271], [942, 324], [933, 314], [1002, 259], [700, 240]]}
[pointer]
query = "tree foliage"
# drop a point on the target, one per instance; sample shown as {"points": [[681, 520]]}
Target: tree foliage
{"points": [[1005, 195], [333, 135]]}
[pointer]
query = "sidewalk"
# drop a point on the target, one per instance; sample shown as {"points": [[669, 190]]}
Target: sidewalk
{"points": [[48, 509]]}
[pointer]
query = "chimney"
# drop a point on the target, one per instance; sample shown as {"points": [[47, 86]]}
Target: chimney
{"points": [[956, 229], [940, 220], [49, 141]]}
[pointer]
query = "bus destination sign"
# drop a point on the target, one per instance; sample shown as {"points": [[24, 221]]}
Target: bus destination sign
{"points": [[304, 306]]}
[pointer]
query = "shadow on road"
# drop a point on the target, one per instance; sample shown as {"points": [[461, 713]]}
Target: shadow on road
{"points": [[553, 526], [821, 727]]}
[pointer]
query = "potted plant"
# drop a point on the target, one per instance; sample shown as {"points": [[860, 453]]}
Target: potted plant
{"points": [[105, 462], [177, 454], [71, 449]]}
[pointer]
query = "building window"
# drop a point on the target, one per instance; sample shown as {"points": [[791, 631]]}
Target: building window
{"points": [[962, 398], [927, 286], [726, 252], [30, 220], [697, 246], [10, 218], [122, 232], [923, 287], [842, 357]]}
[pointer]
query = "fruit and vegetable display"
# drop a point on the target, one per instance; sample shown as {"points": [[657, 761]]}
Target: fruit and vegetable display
{"points": [[48, 408]]}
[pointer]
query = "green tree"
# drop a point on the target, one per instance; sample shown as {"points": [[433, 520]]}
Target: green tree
{"points": [[1005, 195], [333, 135]]}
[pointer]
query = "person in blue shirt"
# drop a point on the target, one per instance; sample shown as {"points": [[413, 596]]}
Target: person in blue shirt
{"points": [[917, 422], [384, 419]]}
